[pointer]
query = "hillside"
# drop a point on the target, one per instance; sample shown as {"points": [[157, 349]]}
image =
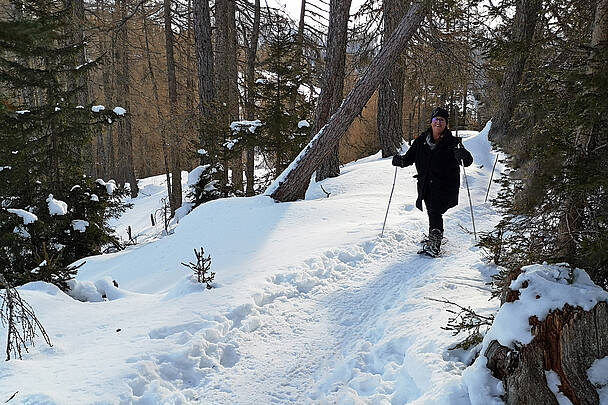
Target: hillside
{"points": [[309, 305]]}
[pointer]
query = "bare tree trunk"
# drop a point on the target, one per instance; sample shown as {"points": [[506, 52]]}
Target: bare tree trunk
{"points": [[333, 81], [292, 183], [175, 197], [80, 85], [125, 144], [159, 114], [108, 94], [390, 92], [250, 101], [524, 23], [206, 86], [77, 33], [227, 76], [300, 36]]}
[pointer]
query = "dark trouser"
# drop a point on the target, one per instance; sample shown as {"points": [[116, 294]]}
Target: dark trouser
{"points": [[435, 216]]}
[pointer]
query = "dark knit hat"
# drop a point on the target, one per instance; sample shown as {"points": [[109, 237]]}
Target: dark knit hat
{"points": [[440, 112]]}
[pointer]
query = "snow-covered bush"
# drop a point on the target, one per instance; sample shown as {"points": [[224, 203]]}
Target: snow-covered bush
{"points": [[205, 184]]}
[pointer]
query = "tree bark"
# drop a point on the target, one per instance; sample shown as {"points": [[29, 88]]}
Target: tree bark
{"points": [[175, 197], [227, 77], [390, 92], [567, 342], [292, 184], [250, 91], [125, 144], [524, 23], [206, 85], [300, 36], [159, 115], [333, 81]]}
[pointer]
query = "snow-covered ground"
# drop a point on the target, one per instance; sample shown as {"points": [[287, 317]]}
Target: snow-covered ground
{"points": [[309, 305]]}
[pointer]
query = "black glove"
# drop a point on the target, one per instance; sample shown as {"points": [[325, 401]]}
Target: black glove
{"points": [[460, 154], [398, 161]]}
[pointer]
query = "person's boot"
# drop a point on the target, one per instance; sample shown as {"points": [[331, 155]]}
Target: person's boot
{"points": [[434, 245]]}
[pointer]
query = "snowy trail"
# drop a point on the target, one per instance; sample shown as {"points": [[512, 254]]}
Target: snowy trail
{"points": [[331, 344]]}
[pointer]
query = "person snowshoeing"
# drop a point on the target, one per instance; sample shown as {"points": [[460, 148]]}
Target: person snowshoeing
{"points": [[437, 155]]}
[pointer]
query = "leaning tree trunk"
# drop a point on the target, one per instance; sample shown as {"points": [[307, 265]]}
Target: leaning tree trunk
{"points": [[175, 197], [125, 145], [390, 92], [524, 23], [206, 86], [292, 183], [333, 81], [250, 100]]}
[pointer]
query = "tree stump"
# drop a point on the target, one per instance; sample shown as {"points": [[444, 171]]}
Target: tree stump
{"points": [[567, 342]]}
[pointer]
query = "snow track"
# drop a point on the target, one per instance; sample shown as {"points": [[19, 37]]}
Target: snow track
{"points": [[343, 327]]}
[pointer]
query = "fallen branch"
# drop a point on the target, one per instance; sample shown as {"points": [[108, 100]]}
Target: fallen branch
{"points": [[20, 320]]}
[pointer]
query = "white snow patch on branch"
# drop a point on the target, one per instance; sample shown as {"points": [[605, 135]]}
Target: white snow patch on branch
{"points": [[80, 225], [303, 123], [110, 185], [27, 216], [195, 174], [119, 111], [56, 207], [98, 108], [237, 126]]}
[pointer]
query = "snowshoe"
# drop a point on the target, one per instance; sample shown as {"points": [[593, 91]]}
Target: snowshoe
{"points": [[432, 246]]}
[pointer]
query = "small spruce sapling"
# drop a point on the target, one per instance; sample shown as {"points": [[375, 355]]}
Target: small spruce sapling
{"points": [[202, 268]]}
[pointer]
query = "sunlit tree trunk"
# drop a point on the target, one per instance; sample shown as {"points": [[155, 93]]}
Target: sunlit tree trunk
{"points": [[125, 145], [524, 23], [333, 81], [227, 77], [205, 73], [250, 92], [174, 137], [390, 92]]}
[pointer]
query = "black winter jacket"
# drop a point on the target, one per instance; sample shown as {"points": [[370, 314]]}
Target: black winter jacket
{"points": [[438, 170]]}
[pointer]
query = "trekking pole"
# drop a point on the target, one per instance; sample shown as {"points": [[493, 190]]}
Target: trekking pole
{"points": [[466, 180], [389, 201], [491, 177]]}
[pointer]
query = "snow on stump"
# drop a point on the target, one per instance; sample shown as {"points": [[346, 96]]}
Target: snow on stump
{"points": [[550, 331]]}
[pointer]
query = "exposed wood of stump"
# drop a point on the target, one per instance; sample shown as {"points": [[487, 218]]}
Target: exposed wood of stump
{"points": [[567, 342]]}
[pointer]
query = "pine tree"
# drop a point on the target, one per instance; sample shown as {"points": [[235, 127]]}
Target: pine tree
{"points": [[44, 136], [554, 197], [283, 105]]}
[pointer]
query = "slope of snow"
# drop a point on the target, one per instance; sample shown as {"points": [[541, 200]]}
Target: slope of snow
{"points": [[310, 305]]}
